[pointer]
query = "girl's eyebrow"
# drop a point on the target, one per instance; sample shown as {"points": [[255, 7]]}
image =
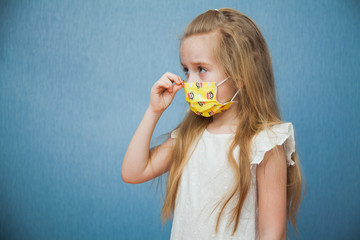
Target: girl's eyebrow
{"points": [[198, 63]]}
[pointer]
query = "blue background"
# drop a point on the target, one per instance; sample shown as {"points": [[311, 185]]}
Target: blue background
{"points": [[75, 78]]}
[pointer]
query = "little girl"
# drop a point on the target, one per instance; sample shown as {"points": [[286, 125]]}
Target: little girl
{"points": [[232, 165]]}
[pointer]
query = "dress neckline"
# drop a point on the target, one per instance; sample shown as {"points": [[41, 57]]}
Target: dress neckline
{"points": [[206, 132]]}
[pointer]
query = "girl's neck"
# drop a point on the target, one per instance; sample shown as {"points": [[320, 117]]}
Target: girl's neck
{"points": [[225, 122]]}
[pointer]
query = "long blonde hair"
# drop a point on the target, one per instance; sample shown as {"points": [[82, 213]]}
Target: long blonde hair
{"points": [[243, 53]]}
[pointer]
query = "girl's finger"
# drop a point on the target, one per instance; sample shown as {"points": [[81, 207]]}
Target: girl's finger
{"points": [[173, 77], [170, 89], [180, 81], [167, 83], [161, 85], [177, 88]]}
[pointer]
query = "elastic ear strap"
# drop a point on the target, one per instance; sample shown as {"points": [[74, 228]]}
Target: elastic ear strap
{"points": [[222, 81], [235, 95]]}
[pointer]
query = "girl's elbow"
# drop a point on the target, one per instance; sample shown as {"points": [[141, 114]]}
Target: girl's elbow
{"points": [[130, 178], [125, 177]]}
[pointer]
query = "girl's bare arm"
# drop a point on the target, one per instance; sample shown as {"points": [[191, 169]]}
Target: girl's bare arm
{"points": [[271, 185], [136, 167]]}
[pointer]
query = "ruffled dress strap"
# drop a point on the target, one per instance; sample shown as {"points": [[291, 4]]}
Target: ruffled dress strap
{"points": [[267, 139]]}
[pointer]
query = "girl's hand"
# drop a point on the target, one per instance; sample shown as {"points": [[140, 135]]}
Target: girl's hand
{"points": [[163, 92]]}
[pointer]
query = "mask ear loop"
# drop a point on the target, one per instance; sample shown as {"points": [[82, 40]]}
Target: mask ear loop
{"points": [[222, 81], [235, 95]]}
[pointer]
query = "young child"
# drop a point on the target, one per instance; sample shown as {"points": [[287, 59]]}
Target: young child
{"points": [[232, 165]]}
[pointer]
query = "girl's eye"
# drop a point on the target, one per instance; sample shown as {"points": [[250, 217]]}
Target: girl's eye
{"points": [[186, 71], [202, 70]]}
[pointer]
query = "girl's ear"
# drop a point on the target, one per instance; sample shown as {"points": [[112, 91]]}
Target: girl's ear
{"points": [[242, 84]]}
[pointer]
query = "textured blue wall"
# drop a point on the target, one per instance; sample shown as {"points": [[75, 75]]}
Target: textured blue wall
{"points": [[75, 79]]}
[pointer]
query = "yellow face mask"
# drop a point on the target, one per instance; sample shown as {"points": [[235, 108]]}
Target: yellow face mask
{"points": [[201, 97]]}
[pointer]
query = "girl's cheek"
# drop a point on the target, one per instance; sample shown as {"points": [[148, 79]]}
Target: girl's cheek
{"points": [[205, 77]]}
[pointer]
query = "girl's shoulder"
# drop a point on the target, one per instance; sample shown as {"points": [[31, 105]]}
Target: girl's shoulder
{"points": [[267, 139]]}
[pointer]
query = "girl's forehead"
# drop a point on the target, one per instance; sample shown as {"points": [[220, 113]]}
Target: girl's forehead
{"points": [[198, 48]]}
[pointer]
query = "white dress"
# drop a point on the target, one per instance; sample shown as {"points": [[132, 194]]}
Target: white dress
{"points": [[207, 178]]}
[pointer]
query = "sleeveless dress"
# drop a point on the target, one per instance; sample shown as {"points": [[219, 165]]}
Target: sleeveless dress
{"points": [[208, 177]]}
